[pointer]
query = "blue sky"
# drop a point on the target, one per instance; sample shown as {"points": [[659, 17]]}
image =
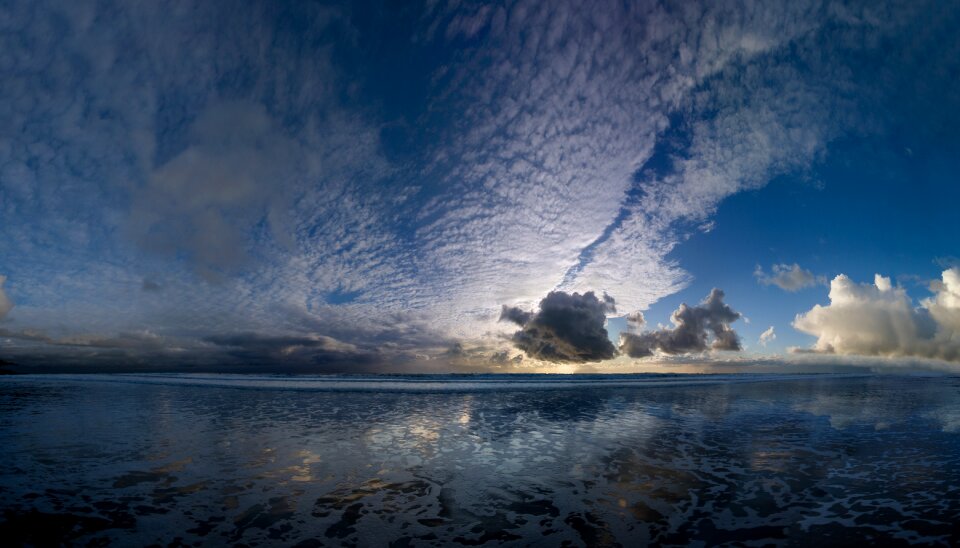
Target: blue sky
{"points": [[363, 186], [849, 214]]}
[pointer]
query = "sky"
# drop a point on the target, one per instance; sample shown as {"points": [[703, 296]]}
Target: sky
{"points": [[468, 186]]}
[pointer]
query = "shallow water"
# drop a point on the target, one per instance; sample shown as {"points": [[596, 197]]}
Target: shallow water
{"points": [[528, 460]]}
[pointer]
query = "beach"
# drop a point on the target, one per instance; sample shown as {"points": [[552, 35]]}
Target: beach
{"points": [[479, 460]]}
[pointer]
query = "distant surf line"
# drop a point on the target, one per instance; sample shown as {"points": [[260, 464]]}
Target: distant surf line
{"points": [[425, 383]]}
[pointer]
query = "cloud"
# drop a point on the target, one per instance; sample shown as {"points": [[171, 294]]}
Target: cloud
{"points": [[555, 127], [515, 315], [788, 277], [150, 285], [693, 327], [502, 358], [555, 146], [128, 340], [880, 320], [25, 335], [262, 348], [947, 261], [455, 350], [133, 346], [568, 328], [281, 343], [202, 202], [636, 321], [6, 305], [767, 336]]}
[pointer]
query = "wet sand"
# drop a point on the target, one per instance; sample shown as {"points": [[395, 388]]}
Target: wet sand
{"points": [[186, 460]]}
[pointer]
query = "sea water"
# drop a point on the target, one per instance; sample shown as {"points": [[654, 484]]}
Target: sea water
{"points": [[628, 460]]}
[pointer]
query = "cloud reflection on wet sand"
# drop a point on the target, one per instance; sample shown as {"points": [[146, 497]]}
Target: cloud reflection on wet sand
{"points": [[785, 462]]}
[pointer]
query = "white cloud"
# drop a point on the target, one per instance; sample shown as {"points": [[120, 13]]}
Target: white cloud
{"points": [[767, 336], [880, 320], [944, 306], [788, 277], [558, 120], [770, 119], [225, 137], [206, 134]]}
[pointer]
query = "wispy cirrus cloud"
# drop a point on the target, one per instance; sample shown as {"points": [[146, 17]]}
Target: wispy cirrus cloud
{"points": [[767, 337]]}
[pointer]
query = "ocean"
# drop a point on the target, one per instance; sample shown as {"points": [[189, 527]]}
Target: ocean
{"points": [[542, 460]]}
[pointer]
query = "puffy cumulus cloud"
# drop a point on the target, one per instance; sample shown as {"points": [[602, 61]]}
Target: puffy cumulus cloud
{"points": [[881, 320], [944, 306], [636, 321], [692, 330], [6, 305], [788, 277], [567, 328], [767, 337]]}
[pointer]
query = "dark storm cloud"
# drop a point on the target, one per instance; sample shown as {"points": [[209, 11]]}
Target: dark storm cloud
{"points": [[609, 304], [692, 329], [34, 335], [515, 315], [241, 348], [142, 340], [37, 351], [568, 328], [260, 348]]}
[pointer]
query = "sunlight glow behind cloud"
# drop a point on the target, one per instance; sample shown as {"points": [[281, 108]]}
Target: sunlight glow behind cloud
{"points": [[309, 173]]}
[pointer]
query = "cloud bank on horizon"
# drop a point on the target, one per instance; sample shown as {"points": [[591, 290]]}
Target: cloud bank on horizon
{"points": [[345, 187]]}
